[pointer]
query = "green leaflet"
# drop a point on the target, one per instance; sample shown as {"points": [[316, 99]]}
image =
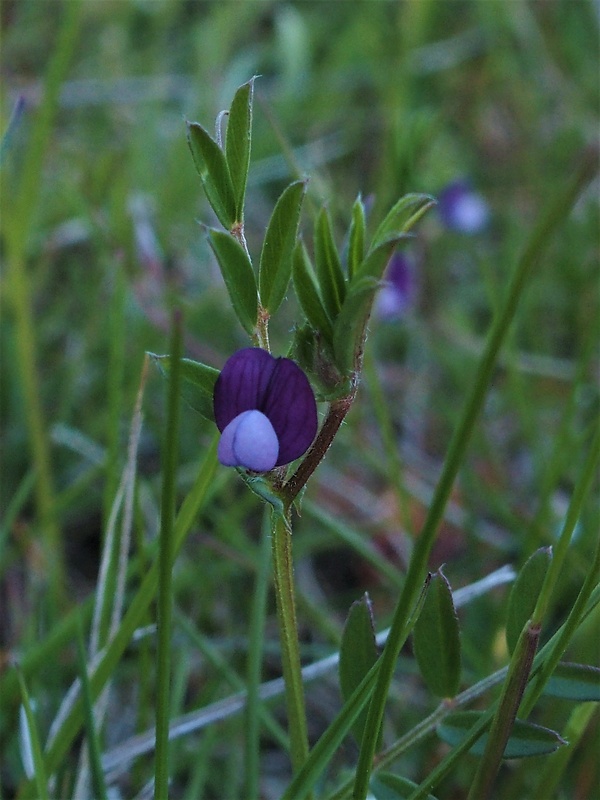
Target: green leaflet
{"points": [[308, 294], [238, 142], [579, 682], [238, 276], [275, 267], [214, 173], [526, 739], [524, 593], [436, 639], [358, 653], [328, 265], [402, 217], [197, 382]]}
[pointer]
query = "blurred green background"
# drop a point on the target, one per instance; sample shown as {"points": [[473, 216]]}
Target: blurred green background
{"points": [[378, 98]]}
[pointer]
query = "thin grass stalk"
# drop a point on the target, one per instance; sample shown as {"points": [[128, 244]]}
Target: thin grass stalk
{"points": [[114, 388], [40, 775], [165, 560], [533, 252], [258, 616], [390, 445], [283, 578], [112, 577], [93, 744], [19, 291]]}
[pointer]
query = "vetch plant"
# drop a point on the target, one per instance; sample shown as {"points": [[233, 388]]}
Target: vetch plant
{"points": [[265, 409], [276, 407]]}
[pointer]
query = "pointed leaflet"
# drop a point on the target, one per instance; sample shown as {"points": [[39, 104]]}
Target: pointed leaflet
{"points": [[238, 276], [526, 739], [436, 639], [356, 237], [276, 257], [307, 292], [237, 143], [349, 327], [524, 593], [407, 211], [328, 265], [579, 682], [197, 383], [214, 173], [358, 653]]}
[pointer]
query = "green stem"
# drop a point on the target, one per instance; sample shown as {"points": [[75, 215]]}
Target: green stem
{"points": [[166, 555], [417, 570], [504, 717], [281, 543]]}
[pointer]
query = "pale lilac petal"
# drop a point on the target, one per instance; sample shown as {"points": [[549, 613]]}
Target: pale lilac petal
{"points": [[249, 441], [399, 289], [462, 209]]}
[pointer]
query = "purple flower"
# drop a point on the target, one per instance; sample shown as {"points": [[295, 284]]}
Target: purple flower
{"points": [[462, 209], [265, 409], [399, 288]]}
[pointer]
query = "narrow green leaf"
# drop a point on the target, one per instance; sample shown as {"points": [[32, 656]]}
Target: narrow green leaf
{"points": [[328, 265], [401, 218], [276, 257], [524, 593], [93, 743], [214, 173], [33, 744], [356, 237], [358, 653], [580, 682], [376, 260], [237, 143], [525, 740], [238, 276], [436, 639], [197, 383], [387, 786], [349, 327], [307, 292]]}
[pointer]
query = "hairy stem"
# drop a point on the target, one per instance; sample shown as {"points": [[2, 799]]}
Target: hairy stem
{"points": [[288, 632]]}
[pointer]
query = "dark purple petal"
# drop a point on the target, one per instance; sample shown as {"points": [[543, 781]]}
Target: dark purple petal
{"points": [[242, 384], [290, 405], [461, 208]]}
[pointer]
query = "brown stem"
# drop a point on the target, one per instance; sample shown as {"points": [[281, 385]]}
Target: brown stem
{"points": [[335, 416]]}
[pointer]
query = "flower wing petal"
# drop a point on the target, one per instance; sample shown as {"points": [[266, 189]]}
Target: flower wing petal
{"points": [[291, 407]]}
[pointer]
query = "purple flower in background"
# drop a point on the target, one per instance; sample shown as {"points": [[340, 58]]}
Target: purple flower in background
{"points": [[462, 209], [399, 289], [265, 409]]}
